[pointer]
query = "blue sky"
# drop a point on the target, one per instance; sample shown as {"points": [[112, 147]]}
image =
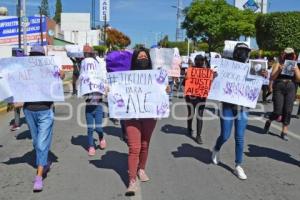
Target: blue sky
{"points": [[142, 20]]}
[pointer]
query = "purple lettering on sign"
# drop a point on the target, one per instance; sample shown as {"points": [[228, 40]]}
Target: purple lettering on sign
{"points": [[239, 90], [117, 98], [162, 109], [162, 76]]}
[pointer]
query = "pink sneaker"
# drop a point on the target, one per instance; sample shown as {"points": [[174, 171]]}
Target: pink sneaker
{"points": [[132, 188], [143, 176], [102, 144], [92, 151], [14, 127]]}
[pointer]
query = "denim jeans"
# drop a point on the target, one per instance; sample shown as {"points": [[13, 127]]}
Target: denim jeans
{"points": [[94, 116], [171, 84], [40, 124], [232, 114]]}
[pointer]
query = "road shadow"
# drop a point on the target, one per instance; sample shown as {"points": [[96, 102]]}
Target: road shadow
{"points": [[257, 151], [29, 158], [255, 129], [1, 146], [171, 129], [115, 161], [114, 131], [22, 121], [189, 151], [81, 140], [24, 135]]}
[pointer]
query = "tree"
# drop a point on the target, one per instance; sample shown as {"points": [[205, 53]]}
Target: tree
{"points": [[138, 46], [214, 21], [276, 31], [101, 49], [58, 11], [117, 39], [44, 8], [183, 46]]}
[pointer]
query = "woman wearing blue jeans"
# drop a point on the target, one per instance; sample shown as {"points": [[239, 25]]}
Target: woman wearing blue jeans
{"points": [[94, 116], [230, 115], [40, 119]]}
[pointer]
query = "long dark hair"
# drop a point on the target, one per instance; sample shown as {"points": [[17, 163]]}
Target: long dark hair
{"points": [[136, 52]]}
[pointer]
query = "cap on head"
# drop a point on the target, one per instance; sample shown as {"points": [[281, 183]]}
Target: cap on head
{"points": [[242, 46], [37, 49], [88, 49], [289, 50]]}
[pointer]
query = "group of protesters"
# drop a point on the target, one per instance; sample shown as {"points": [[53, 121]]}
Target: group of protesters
{"points": [[138, 132]]}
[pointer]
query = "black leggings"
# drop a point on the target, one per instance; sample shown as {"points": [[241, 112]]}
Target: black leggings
{"points": [[195, 104], [283, 101]]}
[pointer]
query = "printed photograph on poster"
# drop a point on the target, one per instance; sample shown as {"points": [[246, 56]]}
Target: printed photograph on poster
{"points": [[257, 67], [288, 67]]}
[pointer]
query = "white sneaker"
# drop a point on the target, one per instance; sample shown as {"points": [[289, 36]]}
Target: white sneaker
{"points": [[239, 172], [215, 158]]}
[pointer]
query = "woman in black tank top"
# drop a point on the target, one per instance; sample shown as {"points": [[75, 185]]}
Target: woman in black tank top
{"points": [[285, 75]]}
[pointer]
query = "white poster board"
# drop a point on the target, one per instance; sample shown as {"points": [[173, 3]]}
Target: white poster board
{"points": [[138, 94], [92, 76], [229, 47], [232, 85], [162, 58], [32, 79], [5, 92], [74, 51]]}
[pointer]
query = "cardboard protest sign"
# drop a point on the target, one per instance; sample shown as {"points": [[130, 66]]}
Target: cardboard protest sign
{"points": [[138, 94], [288, 67], [198, 82], [162, 58], [257, 67], [5, 92], [175, 68], [193, 55], [32, 79], [74, 51], [232, 85], [92, 76], [229, 47]]}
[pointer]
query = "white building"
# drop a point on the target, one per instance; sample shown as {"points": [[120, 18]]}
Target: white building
{"points": [[76, 28]]}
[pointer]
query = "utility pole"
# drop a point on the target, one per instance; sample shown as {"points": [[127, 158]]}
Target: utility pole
{"points": [[41, 25], [262, 6], [93, 14], [19, 23], [25, 24], [104, 32]]}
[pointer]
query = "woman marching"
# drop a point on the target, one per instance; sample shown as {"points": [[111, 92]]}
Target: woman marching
{"points": [[284, 91], [40, 119], [233, 114], [93, 109], [196, 104], [139, 131]]}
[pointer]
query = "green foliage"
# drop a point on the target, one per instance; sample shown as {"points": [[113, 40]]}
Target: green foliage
{"points": [[101, 49], [58, 11], [138, 46], [44, 8], [276, 31], [183, 46], [262, 54], [213, 21]]}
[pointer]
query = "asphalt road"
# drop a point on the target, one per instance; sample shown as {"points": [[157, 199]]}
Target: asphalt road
{"points": [[179, 168]]}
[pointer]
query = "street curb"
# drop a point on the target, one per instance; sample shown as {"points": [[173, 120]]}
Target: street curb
{"points": [[3, 109]]}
